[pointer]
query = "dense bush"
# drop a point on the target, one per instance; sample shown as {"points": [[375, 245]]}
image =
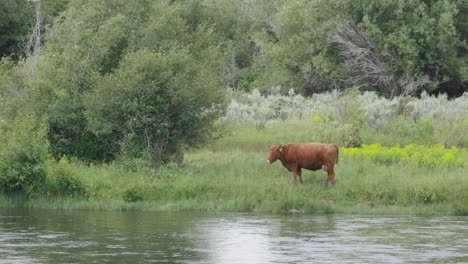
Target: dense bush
{"points": [[63, 180], [133, 194], [23, 154], [157, 104]]}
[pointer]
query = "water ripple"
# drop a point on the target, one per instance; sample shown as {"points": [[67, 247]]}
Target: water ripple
{"points": [[45, 236]]}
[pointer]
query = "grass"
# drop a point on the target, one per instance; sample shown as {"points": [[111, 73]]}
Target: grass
{"points": [[233, 175]]}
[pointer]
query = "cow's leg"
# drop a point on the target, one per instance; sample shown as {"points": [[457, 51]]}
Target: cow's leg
{"points": [[331, 176], [297, 173]]}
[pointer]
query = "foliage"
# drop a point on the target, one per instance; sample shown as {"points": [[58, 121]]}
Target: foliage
{"points": [[15, 21], [234, 23], [421, 35], [53, 8], [367, 69], [90, 48], [23, 154], [157, 103], [394, 47], [294, 50], [13, 89], [63, 180], [133, 194], [72, 62]]}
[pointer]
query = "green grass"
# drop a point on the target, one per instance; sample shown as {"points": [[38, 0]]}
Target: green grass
{"points": [[233, 175]]}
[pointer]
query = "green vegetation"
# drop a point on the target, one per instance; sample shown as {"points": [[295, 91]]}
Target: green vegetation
{"points": [[23, 155], [142, 104], [233, 175], [15, 20], [16, 23]]}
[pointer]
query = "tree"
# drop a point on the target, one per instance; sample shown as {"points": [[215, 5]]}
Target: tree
{"points": [[234, 25], [294, 51], [53, 8], [157, 103], [423, 37], [15, 22], [87, 42], [23, 133], [89, 51], [366, 68]]}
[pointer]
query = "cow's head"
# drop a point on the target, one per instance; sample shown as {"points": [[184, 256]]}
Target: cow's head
{"points": [[275, 152]]}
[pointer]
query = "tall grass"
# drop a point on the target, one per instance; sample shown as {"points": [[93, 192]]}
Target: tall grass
{"points": [[233, 175]]}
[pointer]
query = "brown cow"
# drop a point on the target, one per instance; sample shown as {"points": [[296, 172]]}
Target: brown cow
{"points": [[310, 156]]}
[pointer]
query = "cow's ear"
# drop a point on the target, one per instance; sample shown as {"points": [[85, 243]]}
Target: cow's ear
{"points": [[280, 147]]}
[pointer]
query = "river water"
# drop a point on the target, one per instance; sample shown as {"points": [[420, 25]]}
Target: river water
{"points": [[53, 236]]}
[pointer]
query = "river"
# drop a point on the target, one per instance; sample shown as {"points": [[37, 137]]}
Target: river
{"points": [[55, 236]]}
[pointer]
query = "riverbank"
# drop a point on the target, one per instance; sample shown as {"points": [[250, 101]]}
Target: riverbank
{"points": [[232, 175]]}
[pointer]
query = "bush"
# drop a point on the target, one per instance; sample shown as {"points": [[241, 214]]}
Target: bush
{"points": [[408, 131], [134, 164], [342, 133], [64, 179], [23, 154], [133, 194], [22, 174], [157, 104], [421, 195]]}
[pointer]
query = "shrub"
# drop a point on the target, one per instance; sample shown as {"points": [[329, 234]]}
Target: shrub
{"points": [[157, 104], [64, 179], [422, 195], [133, 164], [22, 174], [23, 154], [406, 130], [328, 131], [133, 194]]}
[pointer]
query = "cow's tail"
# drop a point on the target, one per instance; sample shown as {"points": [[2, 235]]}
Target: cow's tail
{"points": [[337, 153]]}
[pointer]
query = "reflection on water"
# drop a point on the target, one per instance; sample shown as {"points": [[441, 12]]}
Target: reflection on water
{"points": [[47, 236]]}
